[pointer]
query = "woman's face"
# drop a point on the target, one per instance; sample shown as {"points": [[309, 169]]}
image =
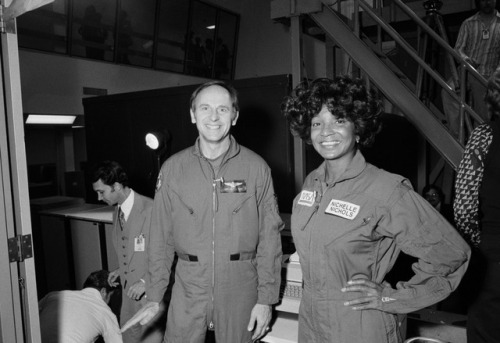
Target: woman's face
{"points": [[333, 138]]}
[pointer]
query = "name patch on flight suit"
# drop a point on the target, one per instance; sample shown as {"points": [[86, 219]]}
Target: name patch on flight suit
{"points": [[342, 209], [235, 186], [307, 198]]}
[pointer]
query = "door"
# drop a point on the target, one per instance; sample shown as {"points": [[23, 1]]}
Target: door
{"points": [[19, 320]]}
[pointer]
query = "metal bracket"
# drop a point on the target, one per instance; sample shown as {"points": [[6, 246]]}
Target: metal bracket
{"points": [[7, 25], [20, 248]]}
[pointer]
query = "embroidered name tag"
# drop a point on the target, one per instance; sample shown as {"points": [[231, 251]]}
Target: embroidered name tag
{"points": [[236, 186], [342, 209], [307, 198]]}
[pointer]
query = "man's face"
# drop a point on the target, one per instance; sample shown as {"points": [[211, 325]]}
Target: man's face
{"points": [[487, 6], [213, 114], [105, 193], [432, 196]]}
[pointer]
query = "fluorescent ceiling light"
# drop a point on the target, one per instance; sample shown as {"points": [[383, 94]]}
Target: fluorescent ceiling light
{"points": [[211, 27], [50, 119]]}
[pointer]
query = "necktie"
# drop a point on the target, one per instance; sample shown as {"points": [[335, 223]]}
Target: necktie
{"points": [[121, 218]]}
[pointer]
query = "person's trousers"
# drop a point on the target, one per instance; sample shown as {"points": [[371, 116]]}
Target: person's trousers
{"points": [[483, 317], [451, 107]]}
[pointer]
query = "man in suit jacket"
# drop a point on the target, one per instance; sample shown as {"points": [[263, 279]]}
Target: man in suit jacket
{"points": [[132, 219]]}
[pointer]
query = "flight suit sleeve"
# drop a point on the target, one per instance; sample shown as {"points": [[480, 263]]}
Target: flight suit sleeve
{"points": [[420, 231], [161, 249], [269, 253]]}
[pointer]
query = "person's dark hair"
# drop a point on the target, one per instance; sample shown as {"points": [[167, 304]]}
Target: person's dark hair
{"points": [[233, 94], [492, 97], [476, 4], [346, 98], [98, 280], [110, 172], [438, 190]]}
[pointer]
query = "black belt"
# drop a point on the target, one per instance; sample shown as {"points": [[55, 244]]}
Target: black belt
{"points": [[233, 257], [187, 257]]}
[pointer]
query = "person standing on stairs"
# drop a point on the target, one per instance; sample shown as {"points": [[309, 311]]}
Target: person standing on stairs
{"points": [[478, 43]]}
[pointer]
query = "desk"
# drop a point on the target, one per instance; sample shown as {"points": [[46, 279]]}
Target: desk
{"points": [[77, 240]]}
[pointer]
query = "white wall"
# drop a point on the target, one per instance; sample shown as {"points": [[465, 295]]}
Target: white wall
{"points": [[54, 83]]}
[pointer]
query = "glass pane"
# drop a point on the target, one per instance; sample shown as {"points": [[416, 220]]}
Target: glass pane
{"points": [[172, 35], [136, 23], [200, 36], [44, 28], [226, 45], [93, 29]]}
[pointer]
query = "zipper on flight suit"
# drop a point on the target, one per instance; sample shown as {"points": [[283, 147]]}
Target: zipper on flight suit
{"points": [[318, 196], [215, 208]]}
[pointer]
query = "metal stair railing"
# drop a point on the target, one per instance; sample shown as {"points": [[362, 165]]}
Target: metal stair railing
{"points": [[386, 80], [466, 68], [467, 114]]}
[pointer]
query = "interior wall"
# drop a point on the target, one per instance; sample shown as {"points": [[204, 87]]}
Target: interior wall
{"points": [[54, 83]]}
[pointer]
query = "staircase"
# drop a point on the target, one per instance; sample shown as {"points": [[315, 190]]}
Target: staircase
{"points": [[346, 32]]}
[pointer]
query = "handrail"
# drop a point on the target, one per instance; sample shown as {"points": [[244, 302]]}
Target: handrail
{"points": [[414, 55], [409, 49], [440, 40]]}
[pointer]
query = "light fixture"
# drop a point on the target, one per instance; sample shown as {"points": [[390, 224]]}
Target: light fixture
{"points": [[211, 27], [50, 119], [155, 140]]}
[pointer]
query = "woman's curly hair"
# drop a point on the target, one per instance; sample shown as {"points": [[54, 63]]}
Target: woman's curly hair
{"points": [[346, 98]]}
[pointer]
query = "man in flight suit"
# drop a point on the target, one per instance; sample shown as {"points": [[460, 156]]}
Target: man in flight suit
{"points": [[131, 223], [216, 209]]}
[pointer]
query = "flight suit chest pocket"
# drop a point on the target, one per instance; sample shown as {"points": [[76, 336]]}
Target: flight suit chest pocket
{"points": [[302, 215]]}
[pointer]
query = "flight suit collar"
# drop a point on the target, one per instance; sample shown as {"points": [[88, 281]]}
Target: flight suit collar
{"points": [[233, 150], [356, 167]]}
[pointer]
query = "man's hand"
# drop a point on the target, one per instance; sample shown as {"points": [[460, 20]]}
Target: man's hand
{"points": [[137, 290], [259, 318], [143, 316], [370, 294], [112, 277]]}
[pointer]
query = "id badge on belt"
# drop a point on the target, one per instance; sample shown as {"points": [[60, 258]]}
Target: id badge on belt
{"points": [[139, 243]]}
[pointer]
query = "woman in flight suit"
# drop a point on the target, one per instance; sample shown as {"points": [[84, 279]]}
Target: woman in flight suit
{"points": [[352, 219]]}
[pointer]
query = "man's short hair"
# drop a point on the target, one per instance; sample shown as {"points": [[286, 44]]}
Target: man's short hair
{"points": [[98, 280], [476, 4], [233, 94], [110, 172]]}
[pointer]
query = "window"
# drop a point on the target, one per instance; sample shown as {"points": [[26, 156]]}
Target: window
{"points": [[190, 37], [45, 28], [173, 19], [93, 29]]}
